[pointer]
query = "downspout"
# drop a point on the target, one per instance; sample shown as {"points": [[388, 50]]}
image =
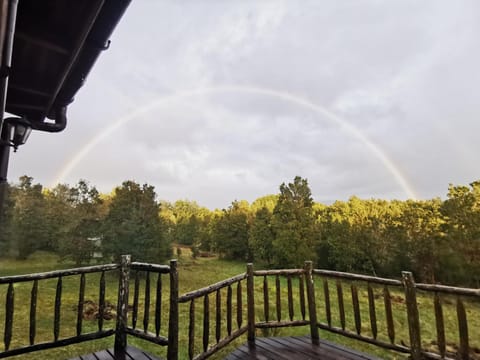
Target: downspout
{"points": [[6, 61], [9, 18]]}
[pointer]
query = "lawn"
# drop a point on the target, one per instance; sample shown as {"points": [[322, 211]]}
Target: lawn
{"points": [[194, 274]]}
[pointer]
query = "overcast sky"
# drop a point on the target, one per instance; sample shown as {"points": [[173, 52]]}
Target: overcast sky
{"points": [[220, 100]]}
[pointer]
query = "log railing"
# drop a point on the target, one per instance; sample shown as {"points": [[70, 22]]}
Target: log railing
{"points": [[422, 320], [380, 307], [223, 314], [23, 338], [148, 274]]}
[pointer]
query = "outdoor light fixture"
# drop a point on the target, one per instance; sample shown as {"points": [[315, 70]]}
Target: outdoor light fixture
{"points": [[18, 131]]}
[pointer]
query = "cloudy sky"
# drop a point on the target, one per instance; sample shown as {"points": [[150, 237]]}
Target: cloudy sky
{"points": [[220, 100]]}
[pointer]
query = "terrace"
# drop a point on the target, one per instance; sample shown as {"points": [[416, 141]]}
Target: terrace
{"points": [[200, 323]]}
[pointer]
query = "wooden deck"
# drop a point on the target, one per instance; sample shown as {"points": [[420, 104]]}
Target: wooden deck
{"points": [[272, 348], [132, 354], [295, 348]]}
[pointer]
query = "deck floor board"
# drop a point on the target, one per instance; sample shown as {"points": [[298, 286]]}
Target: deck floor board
{"points": [[131, 354], [295, 348], [272, 348]]}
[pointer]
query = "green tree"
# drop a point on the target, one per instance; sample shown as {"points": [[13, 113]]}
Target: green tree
{"points": [[30, 228], [230, 232], [262, 236], [462, 227], [293, 224], [6, 219], [420, 238], [84, 224], [133, 225]]}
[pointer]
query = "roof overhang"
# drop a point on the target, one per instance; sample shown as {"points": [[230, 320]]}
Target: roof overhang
{"points": [[55, 45]]}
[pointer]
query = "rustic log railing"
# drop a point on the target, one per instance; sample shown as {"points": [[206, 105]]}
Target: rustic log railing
{"points": [[232, 303], [370, 309], [401, 308], [123, 329], [44, 280]]}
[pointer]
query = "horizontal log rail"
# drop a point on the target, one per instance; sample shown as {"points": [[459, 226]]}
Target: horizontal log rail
{"points": [[357, 277], [59, 343], [211, 288], [57, 273], [366, 308]]}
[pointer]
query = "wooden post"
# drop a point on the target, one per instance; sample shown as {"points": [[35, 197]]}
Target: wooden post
{"points": [[250, 305], [122, 308], [172, 352], [312, 308], [412, 315]]}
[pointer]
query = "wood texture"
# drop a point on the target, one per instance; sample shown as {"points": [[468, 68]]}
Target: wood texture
{"points": [[101, 301], [295, 348], [58, 304], [439, 324], [81, 299], [239, 305], [266, 305], [122, 305], [328, 311], [341, 304], [250, 304], [278, 298], [301, 290], [356, 309], [462, 330], [206, 322], [229, 310], [412, 315], [218, 315], [146, 299], [372, 312], [388, 314], [191, 330], [290, 297], [33, 312], [9, 308], [136, 295], [158, 305], [312, 307], [172, 351]]}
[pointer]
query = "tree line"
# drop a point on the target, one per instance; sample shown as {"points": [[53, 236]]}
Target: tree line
{"points": [[439, 240]]}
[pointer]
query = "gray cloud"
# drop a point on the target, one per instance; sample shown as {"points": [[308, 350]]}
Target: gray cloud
{"points": [[403, 73]]}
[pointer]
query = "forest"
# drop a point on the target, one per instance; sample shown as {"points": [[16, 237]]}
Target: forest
{"points": [[438, 240]]}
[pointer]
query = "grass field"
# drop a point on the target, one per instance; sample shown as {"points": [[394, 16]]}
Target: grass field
{"points": [[194, 274]]}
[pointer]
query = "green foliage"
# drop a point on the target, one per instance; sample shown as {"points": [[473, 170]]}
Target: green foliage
{"points": [[462, 227], [439, 240], [262, 236], [30, 228], [230, 232], [6, 219], [293, 225], [84, 223], [133, 226]]}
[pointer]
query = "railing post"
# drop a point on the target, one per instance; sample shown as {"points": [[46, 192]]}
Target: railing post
{"points": [[172, 352], [312, 308], [122, 308], [250, 305], [412, 315]]}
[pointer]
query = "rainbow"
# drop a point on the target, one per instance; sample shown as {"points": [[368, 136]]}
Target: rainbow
{"points": [[280, 95]]}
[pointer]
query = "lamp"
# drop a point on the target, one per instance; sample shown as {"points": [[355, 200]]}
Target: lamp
{"points": [[18, 130]]}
